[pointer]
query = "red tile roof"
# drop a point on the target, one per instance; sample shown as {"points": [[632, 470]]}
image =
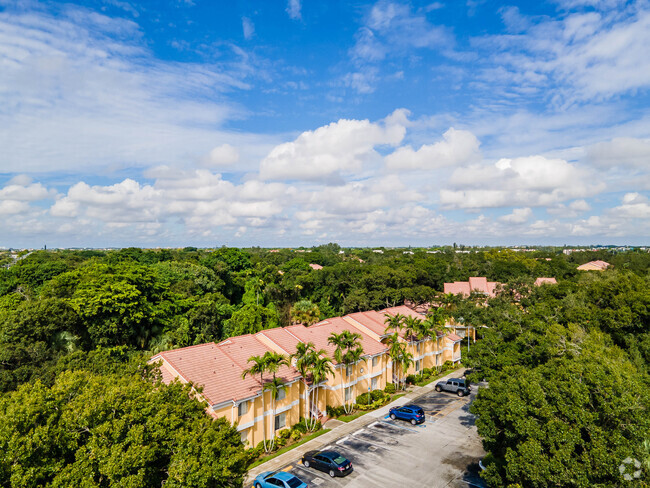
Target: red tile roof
{"points": [[404, 310], [208, 366], [545, 281], [595, 264], [320, 332], [478, 284], [374, 321], [282, 338], [453, 337], [240, 348], [315, 266]]}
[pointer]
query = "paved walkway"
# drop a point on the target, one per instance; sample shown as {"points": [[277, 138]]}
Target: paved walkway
{"points": [[344, 429]]}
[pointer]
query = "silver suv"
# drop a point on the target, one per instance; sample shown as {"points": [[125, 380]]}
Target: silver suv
{"points": [[454, 385]]}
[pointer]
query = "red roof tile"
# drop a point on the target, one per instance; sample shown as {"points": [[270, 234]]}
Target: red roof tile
{"points": [[372, 320], [453, 337], [545, 281], [208, 366], [320, 332]]}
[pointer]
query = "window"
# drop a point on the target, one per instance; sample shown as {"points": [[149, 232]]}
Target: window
{"points": [[418, 365], [280, 421], [375, 361], [243, 435], [282, 394], [348, 394], [348, 370], [242, 409], [419, 348], [374, 383]]}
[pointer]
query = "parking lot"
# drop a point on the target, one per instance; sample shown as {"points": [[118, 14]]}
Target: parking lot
{"points": [[442, 452]]}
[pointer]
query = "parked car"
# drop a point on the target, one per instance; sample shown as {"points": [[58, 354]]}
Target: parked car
{"points": [[455, 385], [329, 461], [411, 413], [281, 479]]}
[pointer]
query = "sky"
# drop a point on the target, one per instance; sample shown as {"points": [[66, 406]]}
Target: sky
{"points": [[280, 123]]}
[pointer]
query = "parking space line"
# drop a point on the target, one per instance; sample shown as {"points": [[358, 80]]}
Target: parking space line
{"points": [[398, 426], [288, 468], [358, 431], [340, 441]]}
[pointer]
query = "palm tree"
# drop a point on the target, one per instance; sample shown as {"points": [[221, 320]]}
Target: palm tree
{"points": [[352, 357], [306, 356], [405, 360], [259, 367], [319, 370], [274, 360], [275, 387], [394, 323], [413, 331], [435, 323], [394, 351], [345, 342], [304, 312]]}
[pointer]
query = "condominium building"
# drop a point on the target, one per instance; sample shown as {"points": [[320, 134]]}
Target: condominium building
{"points": [[216, 370]]}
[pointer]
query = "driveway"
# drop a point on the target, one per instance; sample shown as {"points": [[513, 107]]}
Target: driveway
{"points": [[442, 452]]}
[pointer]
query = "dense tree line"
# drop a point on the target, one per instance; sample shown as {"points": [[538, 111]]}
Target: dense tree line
{"points": [[568, 369], [71, 321]]}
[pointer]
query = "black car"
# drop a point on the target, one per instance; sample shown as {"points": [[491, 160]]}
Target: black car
{"points": [[329, 461]]}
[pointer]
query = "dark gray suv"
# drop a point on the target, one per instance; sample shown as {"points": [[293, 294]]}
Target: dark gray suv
{"points": [[454, 385]]}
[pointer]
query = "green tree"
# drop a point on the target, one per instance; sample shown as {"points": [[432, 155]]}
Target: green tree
{"points": [[348, 351], [305, 312], [259, 367], [113, 430]]}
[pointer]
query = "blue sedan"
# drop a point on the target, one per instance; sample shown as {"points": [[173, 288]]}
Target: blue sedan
{"points": [[281, 479], [410, 413]]}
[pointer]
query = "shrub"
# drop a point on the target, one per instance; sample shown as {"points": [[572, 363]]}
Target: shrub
{"points": [[447, 366], [428, 372], [335, 411], [410, 380], [377, 395], [390, 388], [364, 399], [284, 434], [300, 427], [296, 434]]}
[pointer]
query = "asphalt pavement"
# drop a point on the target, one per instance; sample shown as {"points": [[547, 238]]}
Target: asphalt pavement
{"points": [[442, 452]]}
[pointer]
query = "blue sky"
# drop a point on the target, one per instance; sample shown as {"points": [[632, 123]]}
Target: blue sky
{"points": [[286, 123]]}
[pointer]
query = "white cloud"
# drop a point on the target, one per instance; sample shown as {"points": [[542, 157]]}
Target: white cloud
{"points": [[223, 155], [620, 151], [530, 181], [334, 149], [293, 9], [82, 90], [248, 27], [582, 57], [518, 216], [457, 147]]}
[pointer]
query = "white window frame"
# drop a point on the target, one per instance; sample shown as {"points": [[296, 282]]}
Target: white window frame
{"points": [[281, 421], [348, 370], [242, 408], [374, 383], [375, 361], [418, 365], [282, 394], [243, 436], [348, 394]]}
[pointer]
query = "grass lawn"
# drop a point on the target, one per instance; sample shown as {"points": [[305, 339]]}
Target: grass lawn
{"points": [[348, 418], [288, 448], [436, 377]]}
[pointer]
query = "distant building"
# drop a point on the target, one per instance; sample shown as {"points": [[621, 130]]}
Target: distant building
{"points": [[315, 266], [594, 266], [545, 281], [474, 285]]}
